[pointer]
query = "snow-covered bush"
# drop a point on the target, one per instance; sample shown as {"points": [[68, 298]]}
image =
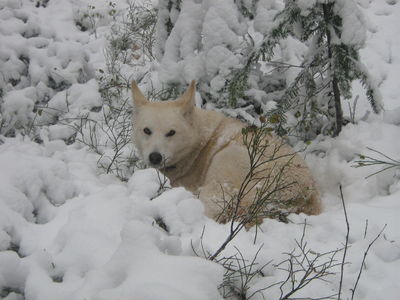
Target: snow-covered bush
{"points": [[129, 48], [39, 64], [212, 42], [51, 87]]}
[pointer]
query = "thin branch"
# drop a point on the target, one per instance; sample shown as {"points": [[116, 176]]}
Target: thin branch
{"points": [[353, 290], [345, 244]]}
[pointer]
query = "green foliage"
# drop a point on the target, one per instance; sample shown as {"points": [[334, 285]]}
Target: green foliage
{"points": [[237, 85], [328, 69], [381, 159]]}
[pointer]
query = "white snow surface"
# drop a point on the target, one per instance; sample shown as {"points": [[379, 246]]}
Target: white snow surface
{"points": [[68, 231]]}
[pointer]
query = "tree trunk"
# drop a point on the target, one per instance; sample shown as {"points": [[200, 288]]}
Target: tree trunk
{"points": [[327, 8], [338, 105]]}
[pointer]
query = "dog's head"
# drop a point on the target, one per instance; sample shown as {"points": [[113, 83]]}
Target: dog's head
{"points": [[164, 132]]}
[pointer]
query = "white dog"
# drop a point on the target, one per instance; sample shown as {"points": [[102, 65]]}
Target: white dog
{"points": [[205, 152]]}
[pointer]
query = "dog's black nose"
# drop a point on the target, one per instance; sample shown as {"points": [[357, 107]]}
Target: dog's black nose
{"points": [[155, 158]]}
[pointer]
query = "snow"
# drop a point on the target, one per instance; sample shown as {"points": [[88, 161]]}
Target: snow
{"points": [[354, 32], [17, 106], [264, 18], [202, 43], [70, 231], [87, 240]]}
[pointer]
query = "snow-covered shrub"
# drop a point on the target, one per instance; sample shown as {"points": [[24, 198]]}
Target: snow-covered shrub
{"points": [[48, 84], [39, 65], [213, 42], [89, 19], [129, 48], [17, 110]]}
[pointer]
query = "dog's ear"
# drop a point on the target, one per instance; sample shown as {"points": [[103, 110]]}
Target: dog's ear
{"points": [[138, 98], [187, 101]]}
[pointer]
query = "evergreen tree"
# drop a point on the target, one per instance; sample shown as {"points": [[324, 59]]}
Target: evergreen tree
{"points": [[228, 47], [334, 31]]}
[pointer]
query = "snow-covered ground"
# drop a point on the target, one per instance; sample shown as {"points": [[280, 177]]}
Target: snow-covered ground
{"points": [[68, 231]]}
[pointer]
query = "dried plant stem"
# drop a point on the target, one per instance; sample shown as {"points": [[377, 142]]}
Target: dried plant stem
{"points": [[345, 244]]}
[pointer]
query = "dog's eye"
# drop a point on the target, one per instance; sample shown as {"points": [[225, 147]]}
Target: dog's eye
{"points": [[170, 133], [147, 131]]}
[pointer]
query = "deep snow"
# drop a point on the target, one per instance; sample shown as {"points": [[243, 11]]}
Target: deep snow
{"points": [[68, 231]]}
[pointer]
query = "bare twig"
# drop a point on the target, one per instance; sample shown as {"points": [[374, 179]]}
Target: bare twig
{"points": [[240, 272], [353, 290], [304, 266], [265, 179], [345, 244]]}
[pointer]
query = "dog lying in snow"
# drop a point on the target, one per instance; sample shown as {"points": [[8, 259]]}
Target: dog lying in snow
{"points": [[206, 153]]}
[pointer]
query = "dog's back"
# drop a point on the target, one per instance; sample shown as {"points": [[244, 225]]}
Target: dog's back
{"points": [[264, 177]]}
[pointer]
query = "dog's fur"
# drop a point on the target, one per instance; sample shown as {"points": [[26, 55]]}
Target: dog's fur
{"points": [[206, 154]]}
